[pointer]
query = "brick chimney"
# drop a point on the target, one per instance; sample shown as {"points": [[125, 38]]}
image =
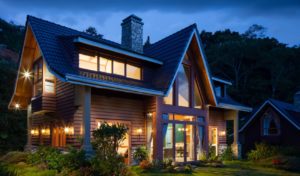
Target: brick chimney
{"points": [[297, 99], [132, 33]]}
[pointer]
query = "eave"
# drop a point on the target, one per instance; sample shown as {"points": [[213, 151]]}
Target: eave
{"points": [[117, 50], [80, 80], [234, 107], [221, 81]]}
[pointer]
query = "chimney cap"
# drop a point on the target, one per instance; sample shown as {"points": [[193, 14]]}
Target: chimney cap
{"points": [[132, 18]]}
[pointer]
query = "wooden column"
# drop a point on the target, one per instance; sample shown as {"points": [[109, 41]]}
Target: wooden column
{"points": [[86, 126], [157, 131], [236, 146], [29, 142]]}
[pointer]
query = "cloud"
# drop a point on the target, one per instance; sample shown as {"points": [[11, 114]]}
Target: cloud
{"points": [[163, 17]]}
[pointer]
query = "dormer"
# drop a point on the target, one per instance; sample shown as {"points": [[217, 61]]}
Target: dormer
{"points": [[221, 86]]}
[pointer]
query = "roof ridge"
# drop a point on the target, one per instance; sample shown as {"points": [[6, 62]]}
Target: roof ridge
{"points": [[30, 16], [194, 25]]}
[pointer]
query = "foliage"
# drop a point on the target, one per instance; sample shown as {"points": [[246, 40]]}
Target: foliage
{"points": [[11, 35], [74, 159], [212, 153], [49, 157], [227, 154], [14, 157], [262, 151], [140, 154], [145, 164], [5, 171], [12, 123], [106, 140], [188, 168]]}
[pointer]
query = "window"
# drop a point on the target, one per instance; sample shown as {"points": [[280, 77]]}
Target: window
{"points": [[49, 86], [133, 72], [184, 86], [38, 77], [88, 62], [169, 99], [220, 90], [105, 65], [119, 68], [270, 125], [197, 97]]}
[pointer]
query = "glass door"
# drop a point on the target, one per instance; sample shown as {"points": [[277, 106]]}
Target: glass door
{"points": [[179, 142], [190, 144]]}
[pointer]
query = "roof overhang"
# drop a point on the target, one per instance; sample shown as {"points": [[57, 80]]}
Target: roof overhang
{"points": [[222, 81], [80, 80], [260, 108], [117, 50], [234, 107]]}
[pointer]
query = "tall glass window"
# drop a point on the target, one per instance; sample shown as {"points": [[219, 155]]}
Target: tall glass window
{"points": [[169, 99], [168, 142], [190, 152], [197, 97], [38, 77], [184, 86]]}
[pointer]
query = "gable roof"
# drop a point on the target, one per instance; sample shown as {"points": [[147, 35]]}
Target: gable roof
{"points": [[288, 111], [228, 103], [57, 46]]}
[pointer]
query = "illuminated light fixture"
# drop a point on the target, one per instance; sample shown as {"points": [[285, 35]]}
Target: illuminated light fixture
{"points": [[222, 133], [43, 131], [26, 74], [69, 130], [17, 105], [32, 132], [139, 131], [98, 124], [149, 115]]}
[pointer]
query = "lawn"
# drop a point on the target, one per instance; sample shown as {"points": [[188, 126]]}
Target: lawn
{"points": [[237, 168]]}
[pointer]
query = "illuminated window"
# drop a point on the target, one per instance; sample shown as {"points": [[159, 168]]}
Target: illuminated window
{"points": [[38, 77], [88, 62], [197, 98], [105, 65], [270, 125], [119, 68], [133, 72], [49, 86], [169, 99], [184, 86]]}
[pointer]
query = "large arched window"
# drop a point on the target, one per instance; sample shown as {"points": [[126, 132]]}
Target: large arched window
{"points": [[270, 125]]}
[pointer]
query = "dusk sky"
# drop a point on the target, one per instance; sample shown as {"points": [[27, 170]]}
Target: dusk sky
{"points": [[162, 18]]}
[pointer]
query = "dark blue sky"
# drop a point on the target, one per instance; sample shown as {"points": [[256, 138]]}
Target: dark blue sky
{"points": [[161, 18]]}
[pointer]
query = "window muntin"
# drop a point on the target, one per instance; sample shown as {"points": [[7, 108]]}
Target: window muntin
{"points": [[119, 68], [38, 77], [88, 62], [270, 125], [105, 65], [169, 99], [133, 72], [184, 86]]}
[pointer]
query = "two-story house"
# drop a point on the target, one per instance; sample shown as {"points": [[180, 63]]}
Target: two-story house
{"points": [[70, 82]]}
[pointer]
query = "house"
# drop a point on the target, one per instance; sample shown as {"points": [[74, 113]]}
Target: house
{"points": [[70, 82], [275, 123]]}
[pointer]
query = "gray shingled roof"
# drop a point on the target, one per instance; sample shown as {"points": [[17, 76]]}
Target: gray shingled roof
{"points": [[56, 43], [287, 110]]}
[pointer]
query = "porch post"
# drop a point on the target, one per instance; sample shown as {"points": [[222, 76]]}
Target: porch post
{"points": [[29, 114], [236, 146], [87, 147]]}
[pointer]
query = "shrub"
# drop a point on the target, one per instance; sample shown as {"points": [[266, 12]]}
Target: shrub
{"points": [[188, 168], [140, 154], [7, 172], [49, 157], [145, 165], [262, 151], [75, 159], [167, 163], [14, 157], [227, 154], [106, 140]]}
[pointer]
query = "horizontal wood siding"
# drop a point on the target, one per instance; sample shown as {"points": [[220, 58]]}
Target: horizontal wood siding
{"points": [[216, 119], [44, 103]]}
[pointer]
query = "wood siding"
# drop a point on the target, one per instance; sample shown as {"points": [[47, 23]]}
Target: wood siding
{"points": [[217, 119], [44, 103], [252, 134]]}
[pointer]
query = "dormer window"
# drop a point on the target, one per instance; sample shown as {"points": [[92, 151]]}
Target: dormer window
{"points": [[220, 90], [110, 66], [270, 125]]}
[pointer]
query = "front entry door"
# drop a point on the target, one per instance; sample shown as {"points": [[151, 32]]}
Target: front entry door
{"points": [[214, 140], [184, 142]]}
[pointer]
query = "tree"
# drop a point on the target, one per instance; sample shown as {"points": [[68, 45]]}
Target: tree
{"points": [[255, 31]]}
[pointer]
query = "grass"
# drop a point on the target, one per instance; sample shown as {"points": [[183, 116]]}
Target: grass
{"points": [[232, 168], [23, 169]]}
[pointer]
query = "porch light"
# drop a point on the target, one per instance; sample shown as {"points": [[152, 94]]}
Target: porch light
{"points": [[26, 74], [69, 130], [222, 133], [149, 114], [43, 131], [139, 131], [32, 132], [17, 105]]}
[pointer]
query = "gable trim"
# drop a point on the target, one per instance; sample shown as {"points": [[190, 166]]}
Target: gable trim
{"points": [[194, 33], [221, 81], [235, 107], [262, 106], [117, 50], [74, 79]]}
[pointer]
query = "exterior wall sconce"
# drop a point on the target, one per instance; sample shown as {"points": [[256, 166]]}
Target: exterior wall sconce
{"points": [[17, 106], [222, 133], [149, 115], [45, 131], [34, 132], [139, 131], [69, 130]]}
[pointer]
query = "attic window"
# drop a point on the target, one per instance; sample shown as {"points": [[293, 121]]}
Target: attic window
{"points": [[270, 125]]}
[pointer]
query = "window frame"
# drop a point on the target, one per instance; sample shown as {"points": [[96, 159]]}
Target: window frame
{"points": [[37, 63], [273, 118], [125, 61]]}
